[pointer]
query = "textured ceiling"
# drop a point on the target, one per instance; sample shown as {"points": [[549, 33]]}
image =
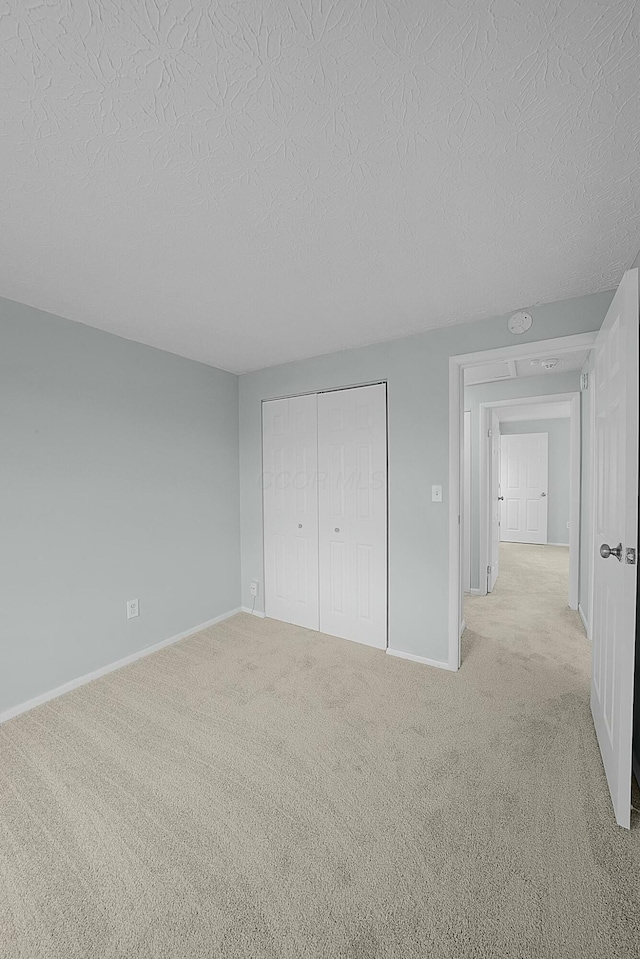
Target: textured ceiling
{"points": [[246, 183]]}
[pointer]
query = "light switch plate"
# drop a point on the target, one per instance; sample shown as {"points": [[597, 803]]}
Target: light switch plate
{"points": [[436, 494]]}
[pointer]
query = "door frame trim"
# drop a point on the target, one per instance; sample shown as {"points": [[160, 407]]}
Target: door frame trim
{"points": [[457, 365], [485, 423], [466, 507], [328, 389], [574, 482]]}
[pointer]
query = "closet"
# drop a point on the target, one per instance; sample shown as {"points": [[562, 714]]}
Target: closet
{"points": [[325, 512]]}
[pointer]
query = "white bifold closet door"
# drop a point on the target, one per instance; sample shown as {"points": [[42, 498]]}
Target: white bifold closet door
{"points": [[290, 467], [325, 512], [352, 506]]}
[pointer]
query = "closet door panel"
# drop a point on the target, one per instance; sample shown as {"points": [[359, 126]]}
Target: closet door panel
{"points": [[352, 507], [290, 502]]}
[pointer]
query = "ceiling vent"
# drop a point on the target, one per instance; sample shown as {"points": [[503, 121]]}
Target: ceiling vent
{"points": [[548, 364]]}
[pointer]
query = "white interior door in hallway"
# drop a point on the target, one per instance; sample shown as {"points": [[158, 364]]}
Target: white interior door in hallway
{"points": [[616, 530], [352, 462], [325, 512], [289, 476], [524, 469]]}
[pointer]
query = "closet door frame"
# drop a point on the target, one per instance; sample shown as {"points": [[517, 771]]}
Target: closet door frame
{"points": [[331, 389]]}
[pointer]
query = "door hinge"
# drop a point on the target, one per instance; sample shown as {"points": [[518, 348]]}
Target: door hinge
{"points": [[488, 571], [458, 519], [630, 556], [489, 433]]}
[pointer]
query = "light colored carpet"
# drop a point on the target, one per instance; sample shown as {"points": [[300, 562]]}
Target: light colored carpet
{"points": [[261, 791]]}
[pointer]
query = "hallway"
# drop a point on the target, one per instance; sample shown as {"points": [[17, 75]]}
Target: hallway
{"points": [[527, 612]]}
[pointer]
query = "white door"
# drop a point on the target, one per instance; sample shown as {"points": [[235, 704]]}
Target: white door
{"points": [[352, 467], [289, 451], [466, 507], [616, 525], [523, 486], [494, 513]]}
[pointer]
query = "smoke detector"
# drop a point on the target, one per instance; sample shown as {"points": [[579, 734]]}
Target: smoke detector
{"points": [[520, 322], [549, 364]]}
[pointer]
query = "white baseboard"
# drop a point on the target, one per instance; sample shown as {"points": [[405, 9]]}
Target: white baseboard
{"points": [[566, 545], [103, 670], [476, 592], [417, 659], [254, 612], [584, 619]]}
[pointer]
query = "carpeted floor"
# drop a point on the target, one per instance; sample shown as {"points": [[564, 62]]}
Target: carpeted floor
{"points": [[259, 790]]}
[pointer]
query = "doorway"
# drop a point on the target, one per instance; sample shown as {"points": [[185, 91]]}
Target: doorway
{"points": [[505, 362], [548, 509], [612, 516]]}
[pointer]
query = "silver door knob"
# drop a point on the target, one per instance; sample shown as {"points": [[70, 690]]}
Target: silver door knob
{"points": [[606, 551], [299, 525], [543, 494], [501, 497], [337, 530]]}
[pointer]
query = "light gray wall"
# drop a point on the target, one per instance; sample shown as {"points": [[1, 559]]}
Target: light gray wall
{"points": [[118, 479], [504, 390], [558, 489], [417, 372]]}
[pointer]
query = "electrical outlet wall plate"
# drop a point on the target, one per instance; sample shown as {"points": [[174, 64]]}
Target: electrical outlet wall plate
{"points": [[133, 608]]}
